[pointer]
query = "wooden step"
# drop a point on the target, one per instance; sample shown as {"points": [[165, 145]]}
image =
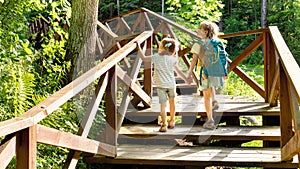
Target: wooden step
{"points": [[188, 131], [195, 156], [192, 105]]}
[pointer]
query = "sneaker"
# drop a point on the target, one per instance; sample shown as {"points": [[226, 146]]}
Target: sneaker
{"points": [[163, 128], [215, 105], [210, 124]]}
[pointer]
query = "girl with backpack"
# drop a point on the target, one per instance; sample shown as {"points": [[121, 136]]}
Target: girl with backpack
{"points": [[209, 53]]}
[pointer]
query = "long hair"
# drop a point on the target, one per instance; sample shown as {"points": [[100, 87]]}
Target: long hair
{"points": [[211, 27]]}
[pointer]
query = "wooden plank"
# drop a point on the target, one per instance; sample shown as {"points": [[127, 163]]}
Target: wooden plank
{"points": [[249, 49], [106, 30], [26, 148], [147, 20], [243, 33], [192, 105], [168, 27], [58, 138], [126, 25], [195, 156], [190, 132], [250, 81], [46, 107], [7, 151], [136, 23], [15, 124], [288, 61], [291, 148]]}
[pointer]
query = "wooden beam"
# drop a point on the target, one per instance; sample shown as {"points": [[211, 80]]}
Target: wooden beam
{"points": [[243, 33], [26, 148], [286, 126], [87, 121], [125, 78], [71, 141], [126, 25], [247, 79], [181, 28], [46, 107], [110, 132], [147, 20], [252, 47], [184, 51], [168, 27], [7, 151], [274, 91], [106, 30], [126, 98], [291, 148], [137, 22]]}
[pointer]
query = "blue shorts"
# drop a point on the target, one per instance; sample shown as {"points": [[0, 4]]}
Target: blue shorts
{"points": [[165, 93]]}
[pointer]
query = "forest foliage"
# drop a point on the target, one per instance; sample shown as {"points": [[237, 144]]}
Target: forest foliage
{"points": [[32, 67]]}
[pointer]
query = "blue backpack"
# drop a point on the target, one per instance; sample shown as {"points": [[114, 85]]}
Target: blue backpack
{"points": [[215, 59]]}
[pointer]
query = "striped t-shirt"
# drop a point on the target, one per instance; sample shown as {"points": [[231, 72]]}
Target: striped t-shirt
{"points": [[164, 67]]}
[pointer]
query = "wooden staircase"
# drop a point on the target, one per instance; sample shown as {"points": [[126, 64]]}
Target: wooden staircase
{"points": [[188, 145]]}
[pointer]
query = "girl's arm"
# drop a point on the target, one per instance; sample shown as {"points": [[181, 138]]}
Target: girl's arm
{"points": [[191, 68], [142, 56], [181, 74]]}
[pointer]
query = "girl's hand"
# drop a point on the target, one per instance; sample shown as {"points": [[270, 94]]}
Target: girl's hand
{"points": [[189, 80]]}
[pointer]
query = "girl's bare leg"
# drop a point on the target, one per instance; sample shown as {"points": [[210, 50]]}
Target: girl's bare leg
{"points": [[163, 115], [207, 103], [172, 112], [213, 93], [215, 104]]}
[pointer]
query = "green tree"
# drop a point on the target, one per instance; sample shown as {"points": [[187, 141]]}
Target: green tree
{"points": [[286, 15], [196, 11]]}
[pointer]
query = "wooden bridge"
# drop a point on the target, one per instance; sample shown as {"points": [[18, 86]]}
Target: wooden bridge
{"points": [[130, 136]]}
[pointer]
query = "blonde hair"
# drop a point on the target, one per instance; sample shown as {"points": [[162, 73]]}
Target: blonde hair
{"points": [[211, 27], [168, 46]]}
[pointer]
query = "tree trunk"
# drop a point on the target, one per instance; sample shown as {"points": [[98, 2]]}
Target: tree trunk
{"points": [[81, 44], [264, 13]]}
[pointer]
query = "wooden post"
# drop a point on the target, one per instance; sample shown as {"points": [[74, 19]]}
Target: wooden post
{"points": [[270, 64], [111, 108], [26, 148], [148, 69], [285, 109]]}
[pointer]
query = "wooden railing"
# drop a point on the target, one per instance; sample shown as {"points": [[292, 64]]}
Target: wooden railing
{"points": [[118, 41]]}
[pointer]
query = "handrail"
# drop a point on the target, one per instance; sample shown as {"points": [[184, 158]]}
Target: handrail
{"points": [[286, 58], [46, 107], [289, 97], [28, 122]]}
